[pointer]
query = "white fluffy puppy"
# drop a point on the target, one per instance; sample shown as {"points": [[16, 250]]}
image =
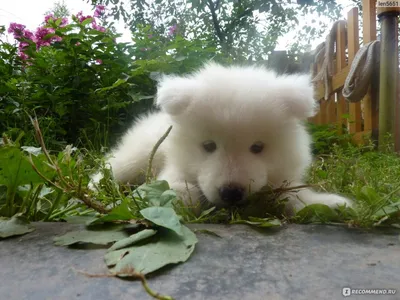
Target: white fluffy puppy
{"points": [[235, 130]]}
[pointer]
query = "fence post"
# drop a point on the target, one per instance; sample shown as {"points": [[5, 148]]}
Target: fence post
{"points": [[353, 46], [370, 100], [389, 69], [340, 64]]}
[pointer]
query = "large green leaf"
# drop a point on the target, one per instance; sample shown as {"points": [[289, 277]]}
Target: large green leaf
{"points": [[164, 217], [98, 237], [133, 239], [17, 225], [166, 248], [157, 193], [15, 169]]}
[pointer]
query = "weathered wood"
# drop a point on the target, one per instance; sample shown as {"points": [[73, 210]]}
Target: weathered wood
{"points": [[369, 34], [353, 46], [340, 64], [337, 83], [388, 79]]}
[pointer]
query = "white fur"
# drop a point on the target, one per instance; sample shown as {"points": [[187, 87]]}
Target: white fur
{"points": [[235, 107]]}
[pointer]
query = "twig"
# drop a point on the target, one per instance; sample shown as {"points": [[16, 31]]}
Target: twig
{"points": [[153, 153], [41, 175], [129, 271], [291, 188], [67, 188], [217, 26]]}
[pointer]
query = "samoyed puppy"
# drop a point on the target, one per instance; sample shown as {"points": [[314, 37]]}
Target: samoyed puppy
{"points": [[234, 130]]}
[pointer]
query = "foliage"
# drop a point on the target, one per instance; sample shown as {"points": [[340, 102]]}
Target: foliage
{"points": [[246, 30], [326, 136], [84, 87], [362, 173], [59, 10], [57, 188], [17, 225]]}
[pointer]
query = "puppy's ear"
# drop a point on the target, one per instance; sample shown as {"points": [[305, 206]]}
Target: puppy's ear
{"points": [[298, 93], [175, 94]]}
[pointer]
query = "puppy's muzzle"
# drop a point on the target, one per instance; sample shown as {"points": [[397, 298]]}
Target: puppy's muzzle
{"points": [[231, 193]]}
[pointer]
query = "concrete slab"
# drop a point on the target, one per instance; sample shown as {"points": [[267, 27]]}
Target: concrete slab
{"points": [[295, 262]]}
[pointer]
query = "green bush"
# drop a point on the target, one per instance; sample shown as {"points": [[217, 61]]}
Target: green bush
{"points": [[325, 137], [84, 87]]}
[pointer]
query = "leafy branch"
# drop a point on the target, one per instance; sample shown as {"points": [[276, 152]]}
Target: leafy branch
{"points": [[66, 184]]}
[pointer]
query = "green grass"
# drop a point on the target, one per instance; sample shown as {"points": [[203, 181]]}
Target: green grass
{"points": [[60, 191]]}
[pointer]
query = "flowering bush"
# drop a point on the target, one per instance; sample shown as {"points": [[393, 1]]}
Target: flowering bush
{"points": [[82, 85]]}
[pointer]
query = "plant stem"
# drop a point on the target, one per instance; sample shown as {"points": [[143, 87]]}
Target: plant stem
{"points": [[54, 204], [153, 153]]}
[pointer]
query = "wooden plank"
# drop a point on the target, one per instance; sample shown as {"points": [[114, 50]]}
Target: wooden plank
{"points": [[340, 64], [369, 34], [369, 20], [361, 137], [353, 46], [322, 103], [337, 83], [322, 112], [331, 117]]}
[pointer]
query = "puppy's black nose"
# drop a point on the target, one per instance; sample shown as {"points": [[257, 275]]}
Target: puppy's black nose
{"points": [[231, 193]]}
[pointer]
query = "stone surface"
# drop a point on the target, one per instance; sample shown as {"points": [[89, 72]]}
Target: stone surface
{"points": [[294, 262]]}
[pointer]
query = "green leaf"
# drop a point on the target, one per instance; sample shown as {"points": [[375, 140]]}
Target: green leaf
{"points": [[167, 248], [164, 217], [316, 213], [206, 212], [157, 193], [259, 222], [15, 169], [120, 213], [98, 237], [79, 219], [115, 84], [87, 21], [133, 239], [17, 225]]}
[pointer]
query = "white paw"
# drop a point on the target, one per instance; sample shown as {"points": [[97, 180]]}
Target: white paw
{"points": [[307, 197], [334, 201]]}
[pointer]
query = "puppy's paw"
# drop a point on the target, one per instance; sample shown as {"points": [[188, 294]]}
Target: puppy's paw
{"points": [[308, 197], [334, 201]]}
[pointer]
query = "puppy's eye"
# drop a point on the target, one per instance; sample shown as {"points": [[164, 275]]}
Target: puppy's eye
{"points": [[209, 146], [257, 147]]}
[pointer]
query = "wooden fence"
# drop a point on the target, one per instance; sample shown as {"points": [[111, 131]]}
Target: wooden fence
{"points": [[360, 118]]}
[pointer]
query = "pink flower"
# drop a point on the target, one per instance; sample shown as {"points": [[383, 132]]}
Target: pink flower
{"points": [[40, 35], [48, 17], [64, 22], [99, 11], [29, 35], [99, 61], [97, 27], [81, 17], [17, 30], [23, 45], [77, 43], [172, 29], [23, 56]]}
